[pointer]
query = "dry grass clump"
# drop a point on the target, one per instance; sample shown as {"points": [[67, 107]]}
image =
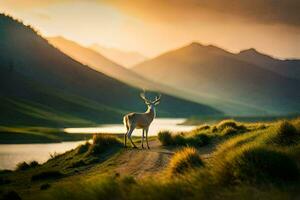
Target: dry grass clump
{"points": [[198, 140], [226, 123], [184, 160], [103, 142], [24, 165], [255, 164], [165, 137], [296, 124], [202, 128], [83, 148], [282, 133], [229, 128], [229, 131]]}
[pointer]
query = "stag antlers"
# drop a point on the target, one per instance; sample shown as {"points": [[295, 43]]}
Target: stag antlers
{"points": [[147, 101], [140, 120]]}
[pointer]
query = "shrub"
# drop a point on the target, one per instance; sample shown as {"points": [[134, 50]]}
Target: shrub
{"points": [[178, 140], [185, 159], [226, 123], [165, 137], [201, 128], [34, 163], [103, 142], [283, 133], [203, 139], [83, 148], [227, 131], [52, 174], [198, 140], [254, 164], [22, 166]]}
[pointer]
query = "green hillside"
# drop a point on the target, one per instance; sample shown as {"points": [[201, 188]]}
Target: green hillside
{"points": [[42, 86]]}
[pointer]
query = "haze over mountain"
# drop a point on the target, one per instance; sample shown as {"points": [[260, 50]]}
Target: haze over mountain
{"points": [[124, 58], [42, 86], [98, 62], [102, 64], [222, 79], [289, 68]]}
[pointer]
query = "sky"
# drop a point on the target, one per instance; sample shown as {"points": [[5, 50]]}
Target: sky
{"points": [[152, 27]]}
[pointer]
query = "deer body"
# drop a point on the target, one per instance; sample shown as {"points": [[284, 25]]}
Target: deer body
{"points": [[140, 121]]}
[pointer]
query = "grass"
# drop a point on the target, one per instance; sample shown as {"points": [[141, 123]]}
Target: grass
{"points": [[35, 177], [186, 159], [25, 166], [258, 161], [283, 133], [255, 164], [44, 175], [22, 135], [101, 143], [184, 139]]}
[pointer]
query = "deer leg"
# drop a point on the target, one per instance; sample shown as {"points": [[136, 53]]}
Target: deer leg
{"points": [[143, 139], [147, 138], [125, 139], [129, 136]]}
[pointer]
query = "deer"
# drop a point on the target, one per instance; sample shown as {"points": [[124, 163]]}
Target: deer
{"points": [[140, 120]]}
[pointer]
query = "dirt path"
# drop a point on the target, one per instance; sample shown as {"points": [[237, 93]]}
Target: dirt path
{"points": [[148, 162], [143, 162]]}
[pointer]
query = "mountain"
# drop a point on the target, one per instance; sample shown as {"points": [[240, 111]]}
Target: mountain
{"points": [[102, 64], [224, 80], [124, 58], [40, 85], [99, 63], [288, 68]]}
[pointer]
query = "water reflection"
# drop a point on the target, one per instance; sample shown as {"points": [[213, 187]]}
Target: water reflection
{"points": [[11, 154], [157, 125]]}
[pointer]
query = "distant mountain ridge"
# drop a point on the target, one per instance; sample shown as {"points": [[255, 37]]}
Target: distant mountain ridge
{"points": [[42, 86], [102, 64], [97, 61], [288, 68], [221, 79], [124, 58]]}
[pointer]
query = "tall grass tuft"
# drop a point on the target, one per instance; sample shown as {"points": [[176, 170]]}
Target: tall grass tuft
{"points": [[22, 166], [25, 166], [185, 159], [103, 142], [181, 139], [283, 133], [165, 137], [228, 131], [255, 164], [83, 148], [226, 123], [202, 128]]}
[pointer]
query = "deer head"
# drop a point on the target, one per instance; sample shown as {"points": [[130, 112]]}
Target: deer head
{"points": [[150, 103]]}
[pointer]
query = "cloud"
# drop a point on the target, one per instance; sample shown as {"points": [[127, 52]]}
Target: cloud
{"points": [[256, 11], [28, 4], [284, 12]]}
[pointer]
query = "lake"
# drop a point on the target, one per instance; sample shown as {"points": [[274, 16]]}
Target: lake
{"points": [[12, 154]]}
